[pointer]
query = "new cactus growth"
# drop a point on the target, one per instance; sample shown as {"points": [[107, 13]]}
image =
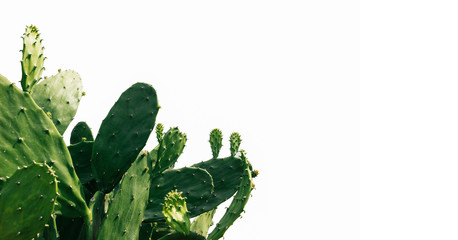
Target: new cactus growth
{"points": [[107, 187], [176, 212], [32, 58]]}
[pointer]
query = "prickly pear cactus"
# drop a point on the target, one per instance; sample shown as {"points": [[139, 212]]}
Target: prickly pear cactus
{"points": [[60, 96], [27, 201], [107, 187]]}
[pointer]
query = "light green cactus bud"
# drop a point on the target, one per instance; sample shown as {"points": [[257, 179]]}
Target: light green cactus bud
{"points": [[176, 212], [32, 58]]}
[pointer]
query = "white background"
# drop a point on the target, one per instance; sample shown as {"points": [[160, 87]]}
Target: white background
{"points": [[348, 109]]}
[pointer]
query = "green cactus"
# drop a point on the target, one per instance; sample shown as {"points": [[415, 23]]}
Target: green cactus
{"points": [[32, 58], [235, 141], [170, 148], [196, 185], [176, 212], [203, 222], [125, 212], [108, 187], [32, 137], [237, 205], [27, 200], [80, 133], [60, 96], [123, 134], [216, 141]]}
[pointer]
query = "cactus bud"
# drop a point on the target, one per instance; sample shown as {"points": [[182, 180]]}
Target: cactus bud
{"points": [[159, 132], [235, 141], [176, 212], [32, 58], [216, 141]]}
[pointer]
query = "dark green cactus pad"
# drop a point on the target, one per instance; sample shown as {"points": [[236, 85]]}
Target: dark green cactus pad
{"points": [[81, 155], [27, 200], [170, 148], [125, 212], [60, 96], [97, 207], [203, 222], [216, 141], [180, 236], [195, 184], [32, 58], [81, 132], [29, 136], [70, 227], [123, 134], [227, 174], [237, 205], [146, 229], [160, 229]]}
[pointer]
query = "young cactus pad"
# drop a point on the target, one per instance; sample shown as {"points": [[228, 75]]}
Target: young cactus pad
{"points": [[32, 137], [32, 58], [81, 132], [170, 148], [123, 134], [26, 201], [60, 96], [216, 141], [176, 212]]}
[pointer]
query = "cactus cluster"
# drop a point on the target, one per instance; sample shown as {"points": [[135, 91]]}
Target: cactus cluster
{"points": [[107, 186]]}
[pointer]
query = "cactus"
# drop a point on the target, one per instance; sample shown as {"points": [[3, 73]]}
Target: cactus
{"points": [[32, 137], [176, 212], [60, 96], [195, 183], [216, 141], [125, 213], [27, 201], [80, 133], [203, 222], [123, 134], [32, 58], [107, 187]]}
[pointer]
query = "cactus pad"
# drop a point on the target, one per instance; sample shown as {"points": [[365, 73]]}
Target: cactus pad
{"points": [[123, 134], [176, 212], [60, 96], [125, 212], [170, 148], [81, 156], [32, 58], [27, 200], [226, 174], [31, 137], [180, 236], [235, 141], [81, 132], [237, 205], [216, 141], [196, 185], [202, 223]]}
